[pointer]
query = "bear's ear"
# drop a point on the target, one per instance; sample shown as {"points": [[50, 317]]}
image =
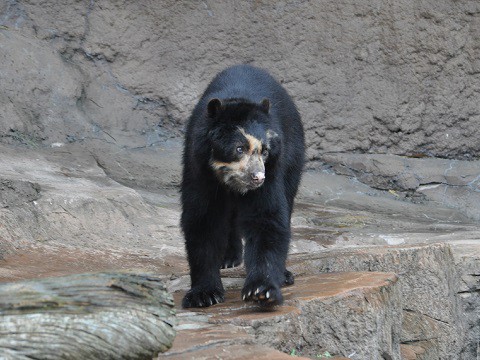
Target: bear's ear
{"points": [[265, 105], [213, 107]]}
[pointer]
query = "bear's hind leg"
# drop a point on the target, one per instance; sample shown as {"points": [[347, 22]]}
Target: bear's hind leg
{"points": [[234, 252], [289, 278]]}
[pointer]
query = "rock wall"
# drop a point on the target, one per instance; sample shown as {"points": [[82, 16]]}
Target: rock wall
{"points": [[398, 77]]}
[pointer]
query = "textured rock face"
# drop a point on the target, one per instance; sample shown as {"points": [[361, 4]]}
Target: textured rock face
{"points": [[66, 198], [354, 314], [432, 313], [467, 261], [367, 76], [451, 183]]}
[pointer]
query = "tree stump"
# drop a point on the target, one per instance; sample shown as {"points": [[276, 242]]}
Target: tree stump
{"points": [[88, 316]]}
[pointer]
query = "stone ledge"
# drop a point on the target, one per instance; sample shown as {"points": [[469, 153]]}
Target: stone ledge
{"points": [[449, 183], [235, 352], [434, 316], [364, 307]]}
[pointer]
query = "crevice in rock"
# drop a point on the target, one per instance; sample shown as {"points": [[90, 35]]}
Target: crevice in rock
{"points": [[408, 342], [428, 316], [470, 291], [86, 29]]}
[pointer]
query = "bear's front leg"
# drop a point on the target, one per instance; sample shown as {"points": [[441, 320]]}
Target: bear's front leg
{"points": [[206, 290], [266, 248], [205, 230], [203, 257]]}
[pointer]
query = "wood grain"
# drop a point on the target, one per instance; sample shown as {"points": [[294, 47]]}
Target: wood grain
{"points": [[87, 316]]}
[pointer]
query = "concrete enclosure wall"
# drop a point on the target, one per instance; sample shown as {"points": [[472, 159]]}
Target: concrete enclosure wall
{"points": [[399, 77]]}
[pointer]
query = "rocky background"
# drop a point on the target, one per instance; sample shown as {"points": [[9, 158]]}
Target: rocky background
{"points": [[368, 76], [94, 96]]}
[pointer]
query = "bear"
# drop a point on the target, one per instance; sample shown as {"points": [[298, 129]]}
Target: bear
{"points": [[242, 164]]}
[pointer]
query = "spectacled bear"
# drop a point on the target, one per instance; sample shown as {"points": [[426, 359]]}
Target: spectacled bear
{"points": [[242, 164]]}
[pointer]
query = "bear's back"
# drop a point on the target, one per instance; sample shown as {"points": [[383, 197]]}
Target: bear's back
{"points": [[246, 82], [253, 85]]}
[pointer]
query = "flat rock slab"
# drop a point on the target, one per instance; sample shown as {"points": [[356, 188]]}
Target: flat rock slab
{"points": [[364, 307], [235, 352], [40, 261]]}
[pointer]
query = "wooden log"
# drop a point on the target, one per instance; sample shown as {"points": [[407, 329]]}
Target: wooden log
{"points": [[87, 316]]}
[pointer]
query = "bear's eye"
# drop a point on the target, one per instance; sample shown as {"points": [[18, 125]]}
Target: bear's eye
{"points": [[240, 150], [265, 153]]}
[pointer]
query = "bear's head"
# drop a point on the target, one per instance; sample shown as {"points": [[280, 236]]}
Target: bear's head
{"points": [[242, 145]]}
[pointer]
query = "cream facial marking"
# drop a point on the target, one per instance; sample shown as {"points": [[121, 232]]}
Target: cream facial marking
{"points": [[233, 166], [254, 144]]}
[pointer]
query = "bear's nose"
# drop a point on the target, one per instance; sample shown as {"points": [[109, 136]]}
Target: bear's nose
{"points": [[258, 177]]}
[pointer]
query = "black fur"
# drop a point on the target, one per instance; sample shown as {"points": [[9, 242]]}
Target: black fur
{"points": [[216, 216]]}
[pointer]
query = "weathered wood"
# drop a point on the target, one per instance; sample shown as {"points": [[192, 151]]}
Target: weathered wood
{"points": [[88, 316]]}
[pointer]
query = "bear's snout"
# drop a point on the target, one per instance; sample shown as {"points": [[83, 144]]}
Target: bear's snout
{"points": [[258, 177]]}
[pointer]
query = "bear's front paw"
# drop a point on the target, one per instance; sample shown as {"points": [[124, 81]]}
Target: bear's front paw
{"points": [[201, 297], [262, 293]]}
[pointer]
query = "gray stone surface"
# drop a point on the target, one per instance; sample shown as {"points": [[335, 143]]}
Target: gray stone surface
{"points": [[467, 263], [450, 183], [67, 199], [17, 192], [80, 219], [367, 76]]}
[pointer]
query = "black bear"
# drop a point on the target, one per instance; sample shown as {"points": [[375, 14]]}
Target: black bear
{"points": [[242, 164]]}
